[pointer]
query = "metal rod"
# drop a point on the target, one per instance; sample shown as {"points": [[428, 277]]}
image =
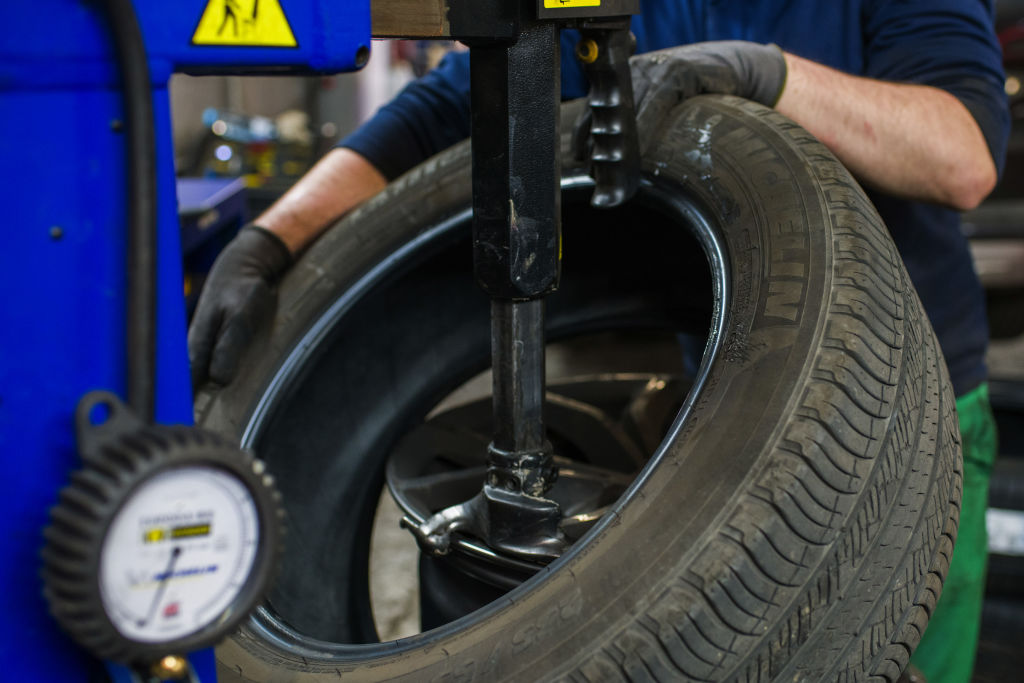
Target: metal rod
{"points": [[517, 354], [517, 261]]}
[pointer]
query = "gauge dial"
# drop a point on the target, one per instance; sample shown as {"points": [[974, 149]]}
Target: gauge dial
{"points": [[177, 553], [163, 542]]}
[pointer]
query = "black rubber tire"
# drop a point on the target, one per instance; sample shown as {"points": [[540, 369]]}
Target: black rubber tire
{"points": [[797, 522]]}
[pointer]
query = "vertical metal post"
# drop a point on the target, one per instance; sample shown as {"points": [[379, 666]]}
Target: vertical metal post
{"points": [[516, 168], [520, 457], [516, 250], [518, 374], [516, 259], [516, 235]]}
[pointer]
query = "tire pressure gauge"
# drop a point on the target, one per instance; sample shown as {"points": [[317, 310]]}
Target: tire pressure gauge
{"points": [[163, 542]]}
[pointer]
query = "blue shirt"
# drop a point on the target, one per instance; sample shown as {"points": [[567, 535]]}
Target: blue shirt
{"points": [[949, 44]]}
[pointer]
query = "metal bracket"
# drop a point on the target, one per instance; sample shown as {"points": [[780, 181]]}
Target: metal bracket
{"points": [[102, 418], [511, 514], [524, 527]]}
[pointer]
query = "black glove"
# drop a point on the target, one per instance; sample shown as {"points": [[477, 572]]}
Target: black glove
{"points": [[663, 79], [238, 298]]}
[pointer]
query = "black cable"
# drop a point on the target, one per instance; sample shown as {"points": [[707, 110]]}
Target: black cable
{"points": [[142, 205]]}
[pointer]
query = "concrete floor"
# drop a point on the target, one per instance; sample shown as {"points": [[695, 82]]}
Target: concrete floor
{"points": [[394, 590]]}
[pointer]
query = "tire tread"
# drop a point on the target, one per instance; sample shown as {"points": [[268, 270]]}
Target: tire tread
{"points": [[876, 407]]}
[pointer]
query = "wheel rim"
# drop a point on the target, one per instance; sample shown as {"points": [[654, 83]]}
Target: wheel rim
{"points": [[603, 428], [269, 624]]}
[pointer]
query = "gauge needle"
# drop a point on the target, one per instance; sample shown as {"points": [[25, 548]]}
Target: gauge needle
{"points": [[165, 578]]}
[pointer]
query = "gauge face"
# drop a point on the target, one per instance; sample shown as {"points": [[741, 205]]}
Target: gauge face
{"points": [[178, 553]]}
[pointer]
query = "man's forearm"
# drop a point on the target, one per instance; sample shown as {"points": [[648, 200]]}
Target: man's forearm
{"points": [[339, 182], [913, 141]]}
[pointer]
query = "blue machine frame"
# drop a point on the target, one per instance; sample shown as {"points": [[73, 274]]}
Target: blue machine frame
{"points": [[63, 271]]}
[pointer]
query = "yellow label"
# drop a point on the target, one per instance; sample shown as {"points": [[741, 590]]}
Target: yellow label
{"points": [[254, 23], [187, 531], [558, 4]]}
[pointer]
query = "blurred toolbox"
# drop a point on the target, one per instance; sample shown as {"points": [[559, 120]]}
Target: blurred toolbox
{"points": [[212, 210]]}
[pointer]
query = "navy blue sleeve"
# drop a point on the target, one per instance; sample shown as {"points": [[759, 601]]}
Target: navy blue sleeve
{"points": [[948, 44], [429, 115], [432, 114]]}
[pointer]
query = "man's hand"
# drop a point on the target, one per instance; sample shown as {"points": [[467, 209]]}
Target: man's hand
{"points": [[663, 79], [239, 294], [912, 141], [236, 300]]}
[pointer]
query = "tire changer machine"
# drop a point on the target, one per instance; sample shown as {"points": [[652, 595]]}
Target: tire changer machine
{"points": [[118, 503]]}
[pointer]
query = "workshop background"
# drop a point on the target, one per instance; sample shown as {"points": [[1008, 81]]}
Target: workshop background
{"points": [[241, 141]]}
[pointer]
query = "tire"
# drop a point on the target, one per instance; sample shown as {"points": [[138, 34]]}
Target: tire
{"points": [[796, 521]]}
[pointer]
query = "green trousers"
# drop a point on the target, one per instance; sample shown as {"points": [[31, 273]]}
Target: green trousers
{"points": [[946, 653]]}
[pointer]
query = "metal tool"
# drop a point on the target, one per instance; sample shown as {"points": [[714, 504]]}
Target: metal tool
{"points": [[517, 249]]}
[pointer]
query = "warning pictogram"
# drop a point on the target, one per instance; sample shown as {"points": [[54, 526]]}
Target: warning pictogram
{"points": [[256, 23]]}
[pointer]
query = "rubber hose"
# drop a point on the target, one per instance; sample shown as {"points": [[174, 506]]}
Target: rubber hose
{"points": [[142, 205]]}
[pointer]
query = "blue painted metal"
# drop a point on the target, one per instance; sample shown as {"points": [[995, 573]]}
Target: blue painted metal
{"points": [[60, 36], [62, 266]]}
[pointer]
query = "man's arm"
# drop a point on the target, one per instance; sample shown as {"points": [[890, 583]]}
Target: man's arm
{"points": [[240, 293], [914, 141], [428, 116], [339, 182]]}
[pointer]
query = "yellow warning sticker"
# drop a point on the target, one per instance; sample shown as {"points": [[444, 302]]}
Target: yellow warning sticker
{"points": [[253, 23], [560, 4]]}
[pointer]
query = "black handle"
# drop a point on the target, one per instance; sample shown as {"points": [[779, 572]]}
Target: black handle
{"points": [[615, 155]]}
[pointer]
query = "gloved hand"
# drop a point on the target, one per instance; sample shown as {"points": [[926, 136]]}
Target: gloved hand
{"points": [[238, 297], [663, 79]]}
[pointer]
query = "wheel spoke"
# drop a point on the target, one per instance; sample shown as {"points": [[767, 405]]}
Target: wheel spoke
{"points": [[653, 409], [443, 440], [574, 469], [432, 492], [591, 432]]}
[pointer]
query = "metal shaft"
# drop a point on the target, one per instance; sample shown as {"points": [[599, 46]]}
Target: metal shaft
{"points": [[516, 238], [515, 89], [517, 354]]}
